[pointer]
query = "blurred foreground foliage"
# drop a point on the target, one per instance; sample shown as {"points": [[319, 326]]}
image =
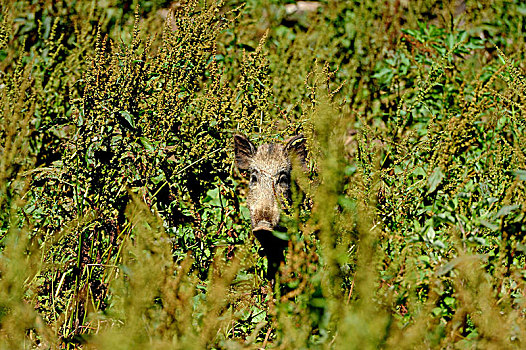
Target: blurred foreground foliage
{"points": [[122, 217]]}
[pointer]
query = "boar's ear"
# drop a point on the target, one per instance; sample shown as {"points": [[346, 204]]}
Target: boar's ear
{"points": [[296, 145], [244, 151]]}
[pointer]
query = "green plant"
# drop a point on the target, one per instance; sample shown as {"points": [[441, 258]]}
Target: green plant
{"points": [[123, 222]]}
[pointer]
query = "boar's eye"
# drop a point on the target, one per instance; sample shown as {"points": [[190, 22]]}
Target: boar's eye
{"points": [[253, 177], [283, 179]]}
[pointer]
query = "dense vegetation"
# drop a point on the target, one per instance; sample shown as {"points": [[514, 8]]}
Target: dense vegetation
{"points": [[122, 223]]}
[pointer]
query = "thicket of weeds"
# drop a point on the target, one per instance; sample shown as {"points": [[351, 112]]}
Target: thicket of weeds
{"points": [[122, 215]]}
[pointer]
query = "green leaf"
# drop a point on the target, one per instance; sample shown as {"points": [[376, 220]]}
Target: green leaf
{"points": [[449, 301], [347, 203], [212, 197], [437, 311], [419, 172], [146, 143], [424, 259], [444, 269], [245, 212], [157, 179], [478, 240], [521, 174], [434, 180], [489, 225], [281, 235], [439, 244], [430, 234], [128, 117], [507, 209], [259, 316]]}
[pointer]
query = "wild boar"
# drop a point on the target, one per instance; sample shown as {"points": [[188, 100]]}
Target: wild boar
{"points": [[269, 167]]}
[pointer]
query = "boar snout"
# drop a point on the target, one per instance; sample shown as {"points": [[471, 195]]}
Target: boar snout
{"points": [[264, 208], [263, 225]]}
